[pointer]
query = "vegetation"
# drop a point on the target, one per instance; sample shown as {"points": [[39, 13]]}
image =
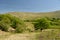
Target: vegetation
{"points": [[31, 15], [30, 23], [41, 24], [7, 21], [50, 34]]}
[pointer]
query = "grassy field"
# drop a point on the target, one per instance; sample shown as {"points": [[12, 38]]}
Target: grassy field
{"points": [[47, 34]]}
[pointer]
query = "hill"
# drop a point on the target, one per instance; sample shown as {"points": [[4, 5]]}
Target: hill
{"points": [[32, 15], [11, 25]]}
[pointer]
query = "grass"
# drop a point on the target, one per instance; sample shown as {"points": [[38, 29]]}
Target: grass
{"points": [[54, 27], [47, 34], [32, 15], [4, 35], [23, 36], [51, 34]]}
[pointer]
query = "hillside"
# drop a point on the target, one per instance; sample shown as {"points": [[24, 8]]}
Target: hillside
{"points": [[13, 26], [32, 15]]}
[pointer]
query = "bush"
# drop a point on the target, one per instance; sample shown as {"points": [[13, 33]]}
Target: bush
{"points": [[55, 21], [20, 28], [41, 24], [7, 20], [4, 26], [4, 22]]}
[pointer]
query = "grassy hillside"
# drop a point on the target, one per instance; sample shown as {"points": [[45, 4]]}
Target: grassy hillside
{"points": [[14, 19], [29, 17], [32, 15], [29, 25]]}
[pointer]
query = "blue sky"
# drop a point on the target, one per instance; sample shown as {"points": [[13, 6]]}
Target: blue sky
{"points": [[29, 5]]}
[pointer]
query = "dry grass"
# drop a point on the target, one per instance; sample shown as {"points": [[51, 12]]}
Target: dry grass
{"points": [[20, 36], [4, 35], [48, 34], [31, 15], [23, 36]]}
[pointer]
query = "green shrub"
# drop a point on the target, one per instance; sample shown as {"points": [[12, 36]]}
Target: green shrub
{"points": [[55, 21], [20, 28], [41, 24], [4, 26], [7, 20]]}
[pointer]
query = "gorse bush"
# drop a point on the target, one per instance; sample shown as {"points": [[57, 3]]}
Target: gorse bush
{"points": [[41, 24], [20, 29], [15, 21], [7, 21], [4, 26], [4, 22], [55, 21]]}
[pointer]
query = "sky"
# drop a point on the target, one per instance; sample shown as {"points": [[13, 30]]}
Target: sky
{"points": [[29, 5]]}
